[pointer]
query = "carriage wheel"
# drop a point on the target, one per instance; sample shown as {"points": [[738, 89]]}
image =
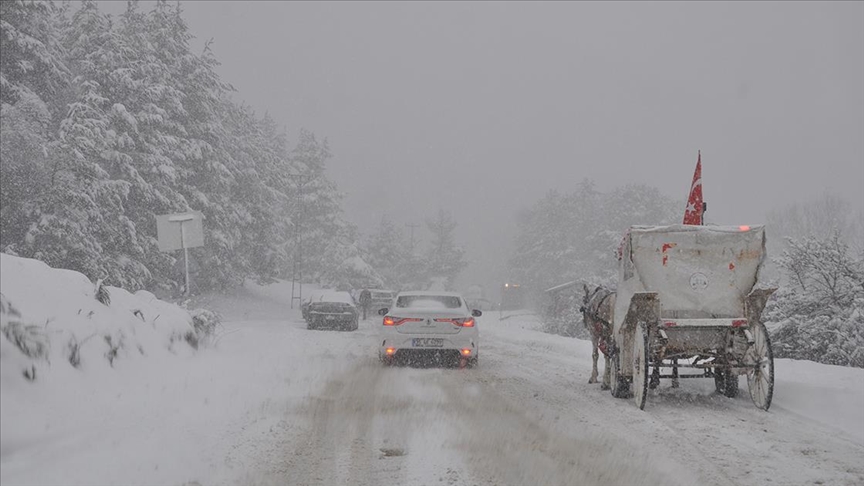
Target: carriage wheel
{"points": [[760, 379], [640, 365]]}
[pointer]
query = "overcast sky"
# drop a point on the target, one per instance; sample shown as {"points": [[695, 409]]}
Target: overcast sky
{"points": [[481, 108]]}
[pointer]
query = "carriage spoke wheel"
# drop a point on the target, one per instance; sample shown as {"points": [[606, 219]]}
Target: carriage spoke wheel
{"points": [[760, 380], [640, 365]]}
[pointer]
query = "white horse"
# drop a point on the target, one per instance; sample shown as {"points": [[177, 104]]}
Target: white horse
{"points": [[597, 308]]}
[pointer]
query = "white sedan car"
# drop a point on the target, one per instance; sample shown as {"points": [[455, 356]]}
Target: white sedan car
{"points": [[429, 328]]}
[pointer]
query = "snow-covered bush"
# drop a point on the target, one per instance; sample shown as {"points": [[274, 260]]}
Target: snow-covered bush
{"points": [[51, 317], [837, 340], [819, 314], [567, 323], [560, 315], [29, 339], [205, 323]]}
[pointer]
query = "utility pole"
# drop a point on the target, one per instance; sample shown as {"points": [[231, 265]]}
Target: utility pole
{"points": [[297, 273], [412, 226]]}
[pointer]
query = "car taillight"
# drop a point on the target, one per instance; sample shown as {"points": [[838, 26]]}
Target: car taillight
{"points": [[461, 322], [398, 321]]}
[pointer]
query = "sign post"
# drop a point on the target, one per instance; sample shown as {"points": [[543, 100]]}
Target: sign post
{"points": [[180, 231]]}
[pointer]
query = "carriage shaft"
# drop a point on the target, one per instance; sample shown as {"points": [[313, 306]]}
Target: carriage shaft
{"points": [[703, 365]]}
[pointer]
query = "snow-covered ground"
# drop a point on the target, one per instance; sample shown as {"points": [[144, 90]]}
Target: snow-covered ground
{"points": [[274, 403]]}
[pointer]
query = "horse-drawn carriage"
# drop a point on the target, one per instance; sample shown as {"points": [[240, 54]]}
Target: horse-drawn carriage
{"points": [[687, 298]]}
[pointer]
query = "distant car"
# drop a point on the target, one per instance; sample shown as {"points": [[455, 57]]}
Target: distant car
{"points": [[429, 328], [379, 299], [332, 310]]}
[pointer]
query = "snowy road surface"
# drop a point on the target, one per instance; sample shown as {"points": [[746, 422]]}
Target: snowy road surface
{"points": [[277, 404]]}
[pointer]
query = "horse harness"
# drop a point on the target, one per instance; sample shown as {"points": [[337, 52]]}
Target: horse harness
{"points": [[598, 329]]}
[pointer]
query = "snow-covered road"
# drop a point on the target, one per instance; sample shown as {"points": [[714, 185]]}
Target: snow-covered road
{"points": [[277, 404]]}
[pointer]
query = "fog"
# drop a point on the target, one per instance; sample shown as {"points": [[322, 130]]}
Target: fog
{"points": [[481, 108], [187, 299]]}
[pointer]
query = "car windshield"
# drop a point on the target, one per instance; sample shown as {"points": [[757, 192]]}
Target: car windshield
{"points": [[429, 301]]}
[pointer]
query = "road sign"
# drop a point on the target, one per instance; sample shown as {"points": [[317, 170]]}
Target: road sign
{"points": [[174, 230], [180, 232]]}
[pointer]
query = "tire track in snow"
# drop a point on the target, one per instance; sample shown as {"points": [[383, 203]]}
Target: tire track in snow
{"points": [[357, 416], [721, 440], [505, 445]]}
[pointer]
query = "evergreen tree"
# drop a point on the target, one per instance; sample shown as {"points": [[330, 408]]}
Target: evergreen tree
{"points": [[574, 236], [26, 153], [316, 211], [108, 124], [388, 254], [32, 56], [444, 260], [346, 268]]}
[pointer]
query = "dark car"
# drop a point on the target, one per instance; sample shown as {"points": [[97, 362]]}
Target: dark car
{"points": [[332, 310]]}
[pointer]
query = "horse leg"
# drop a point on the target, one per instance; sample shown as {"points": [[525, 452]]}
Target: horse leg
{"points": [[654, 381], [674, 373], [594, 356], [607, 372]]}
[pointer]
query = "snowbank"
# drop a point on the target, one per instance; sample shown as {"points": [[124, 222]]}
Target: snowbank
{"points": [[51, 318]]}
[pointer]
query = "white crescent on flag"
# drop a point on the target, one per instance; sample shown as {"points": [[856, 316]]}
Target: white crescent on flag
{"points": [[695, 183]]}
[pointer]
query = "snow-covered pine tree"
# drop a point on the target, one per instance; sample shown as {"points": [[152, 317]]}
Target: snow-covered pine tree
{"points": [[87, 147], [108, 124], [258, 150], [444, 260], [32, 60], [546, 243], [26, 152], [388, 254], [31, 75], [345, 268], [61, 200], [315, 206], [574, 237]]}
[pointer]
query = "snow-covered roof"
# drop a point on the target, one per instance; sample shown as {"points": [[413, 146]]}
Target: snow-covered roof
{"points": [[562, 286], [334, 296], [679, 228], [430, 293]]}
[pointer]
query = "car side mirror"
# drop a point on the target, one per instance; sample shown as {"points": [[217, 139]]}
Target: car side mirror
{"points": [[383, 312], [476, 313]]}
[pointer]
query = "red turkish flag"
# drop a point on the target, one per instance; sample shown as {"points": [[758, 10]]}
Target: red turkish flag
{"points": [[693, 213]]}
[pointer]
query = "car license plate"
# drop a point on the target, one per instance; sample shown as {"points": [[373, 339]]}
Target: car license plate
{"points": [[427, 342]]}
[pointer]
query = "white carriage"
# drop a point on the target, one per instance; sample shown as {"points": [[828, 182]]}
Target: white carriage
{"points": [[687, 297]]}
